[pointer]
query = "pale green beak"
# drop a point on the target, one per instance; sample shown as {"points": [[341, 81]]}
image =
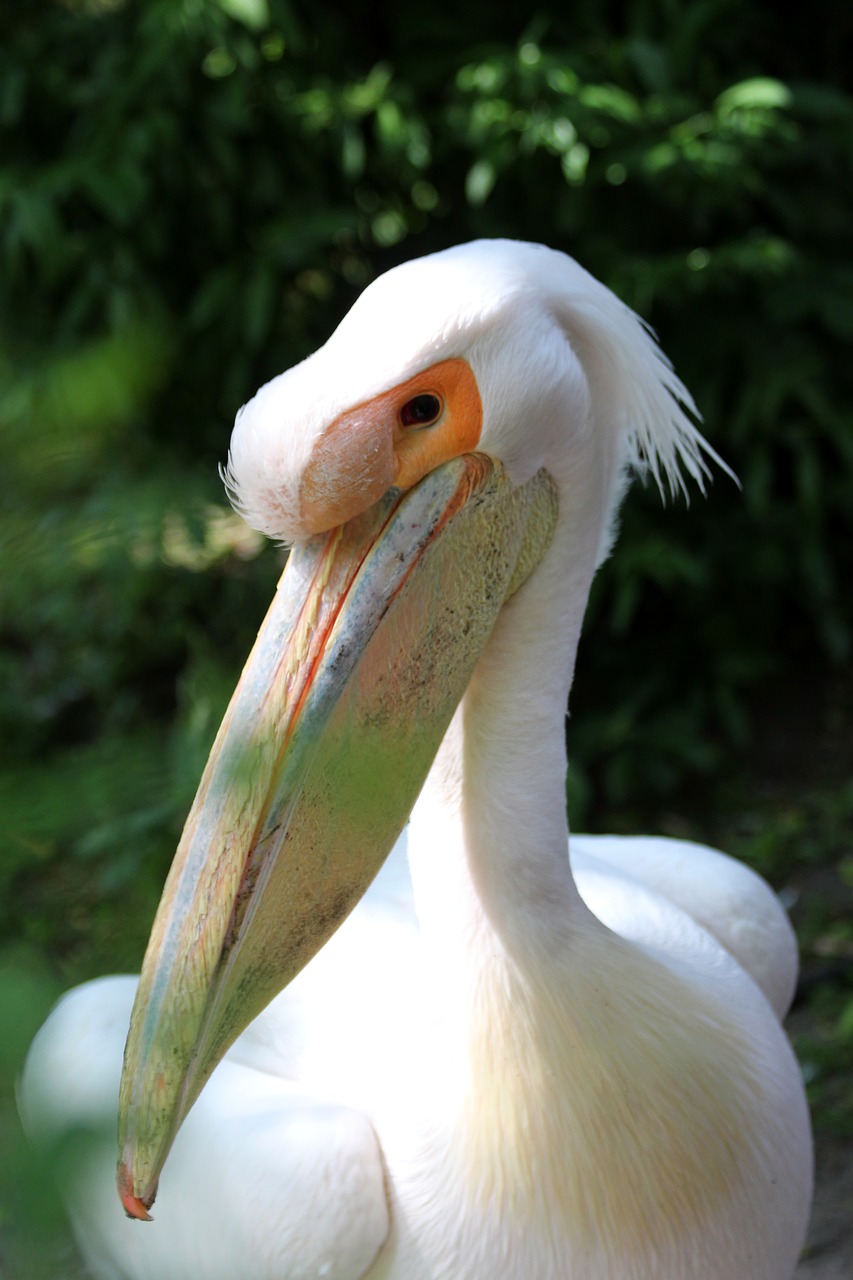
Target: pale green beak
{"points": [[363, 657]]}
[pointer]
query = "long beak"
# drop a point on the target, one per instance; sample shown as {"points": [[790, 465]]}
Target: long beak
{"points": [[366, 650]]}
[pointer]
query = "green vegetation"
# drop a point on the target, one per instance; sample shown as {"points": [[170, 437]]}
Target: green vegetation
{"points": [[191, 194]]}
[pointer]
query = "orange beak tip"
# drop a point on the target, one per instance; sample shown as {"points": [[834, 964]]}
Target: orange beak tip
{"points": [[134, 1207]]}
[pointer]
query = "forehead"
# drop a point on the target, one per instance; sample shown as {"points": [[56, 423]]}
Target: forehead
{"points": [[415, 316], [423, 311]]}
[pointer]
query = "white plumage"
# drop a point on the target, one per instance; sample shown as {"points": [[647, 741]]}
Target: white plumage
{"points": [[527, 1074]]}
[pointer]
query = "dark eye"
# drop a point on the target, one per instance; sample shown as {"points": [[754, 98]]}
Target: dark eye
{"points": [[422, 411]]}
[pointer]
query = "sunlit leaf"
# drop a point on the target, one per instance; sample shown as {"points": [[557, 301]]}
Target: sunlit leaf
{"points": [[761, 91], [254, 14], [480, 181]]}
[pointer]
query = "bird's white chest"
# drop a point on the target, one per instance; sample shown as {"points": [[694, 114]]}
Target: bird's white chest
{"points": [[636, 1140]]}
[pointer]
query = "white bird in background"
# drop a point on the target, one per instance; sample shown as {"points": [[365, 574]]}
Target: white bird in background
{"points": [[521, 1070]]}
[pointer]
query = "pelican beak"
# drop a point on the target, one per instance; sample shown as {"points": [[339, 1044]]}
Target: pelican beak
{"points": [[367, 648]]}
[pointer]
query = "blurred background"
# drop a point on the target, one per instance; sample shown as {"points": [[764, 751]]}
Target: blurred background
{"points": [[192, 194]]}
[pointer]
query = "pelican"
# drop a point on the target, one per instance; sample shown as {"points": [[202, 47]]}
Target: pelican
{"points": [[512, 1066]]}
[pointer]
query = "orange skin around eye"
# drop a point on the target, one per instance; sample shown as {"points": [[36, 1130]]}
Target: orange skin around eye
{"points": [[367, 450]]}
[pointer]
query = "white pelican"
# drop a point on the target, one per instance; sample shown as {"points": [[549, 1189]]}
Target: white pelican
{"points": [[547, 1073]]}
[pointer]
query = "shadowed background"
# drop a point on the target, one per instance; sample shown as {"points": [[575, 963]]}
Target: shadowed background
{"points": [[192, 193]]}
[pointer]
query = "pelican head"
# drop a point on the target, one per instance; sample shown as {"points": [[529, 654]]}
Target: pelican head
{"points": [[473, 416]]}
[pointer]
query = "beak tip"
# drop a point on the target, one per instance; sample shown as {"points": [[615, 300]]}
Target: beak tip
{"points": [[134, 1206]]}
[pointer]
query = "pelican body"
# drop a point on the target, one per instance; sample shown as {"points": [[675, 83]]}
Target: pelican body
{"points": [[480, 1057]]}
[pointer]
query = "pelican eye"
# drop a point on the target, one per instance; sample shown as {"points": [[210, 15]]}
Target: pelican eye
{"points": [[421, 411]]}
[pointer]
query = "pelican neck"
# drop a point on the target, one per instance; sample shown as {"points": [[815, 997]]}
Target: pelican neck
{"points": [[489, 836]]}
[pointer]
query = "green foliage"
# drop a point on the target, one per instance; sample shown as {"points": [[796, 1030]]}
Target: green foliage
{"points": [[32, 1225]]}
